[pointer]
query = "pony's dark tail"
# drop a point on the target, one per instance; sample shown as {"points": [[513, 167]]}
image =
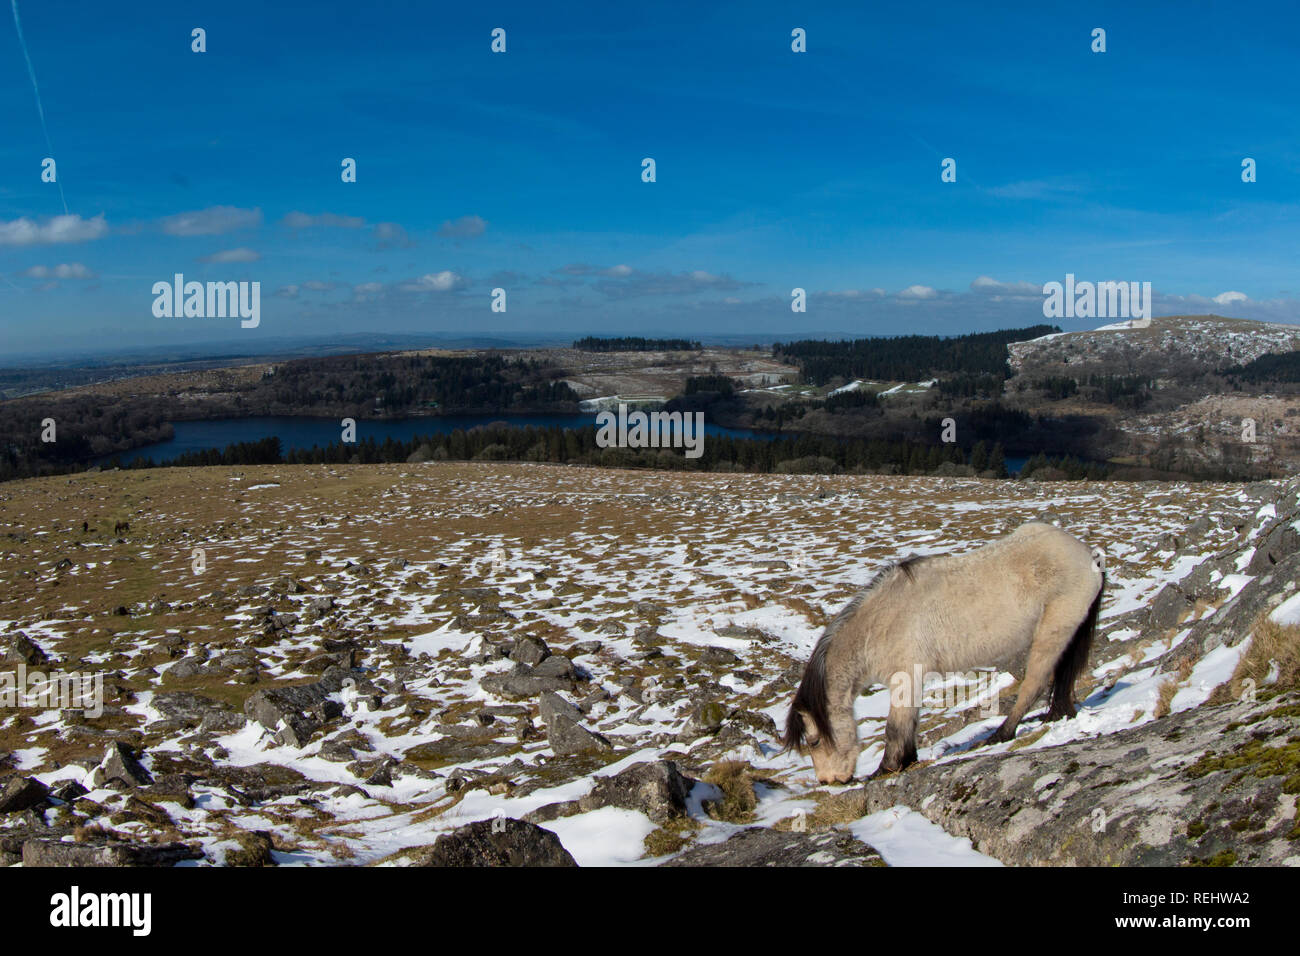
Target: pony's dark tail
{"points": [[811, 700], [1074, 659]]}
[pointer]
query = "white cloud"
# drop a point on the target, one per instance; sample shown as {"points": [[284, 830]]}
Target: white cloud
{"points": [[853, 293], [368, 288], [212, 221], [329, 220], [466, 227], [1227, 298], [72, 228], [990, 286], [918, 292], [391, 236], [67, 270], [445, 281], [241, 254]]}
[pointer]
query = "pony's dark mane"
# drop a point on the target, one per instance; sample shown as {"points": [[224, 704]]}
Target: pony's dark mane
{"points": [[811, 696], [908, 565]]}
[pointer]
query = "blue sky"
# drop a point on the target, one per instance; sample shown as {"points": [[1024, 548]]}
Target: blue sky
{"points": [[522, 170]]}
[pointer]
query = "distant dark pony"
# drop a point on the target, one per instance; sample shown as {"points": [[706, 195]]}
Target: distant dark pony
{"points": [[1038, 590], [121, 527]]}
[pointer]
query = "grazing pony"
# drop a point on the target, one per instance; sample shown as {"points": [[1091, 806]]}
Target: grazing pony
{"points": [[1038, 590]]}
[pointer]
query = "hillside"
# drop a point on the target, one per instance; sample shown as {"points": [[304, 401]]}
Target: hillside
{"points": [[369, 658], [1176, 347]]}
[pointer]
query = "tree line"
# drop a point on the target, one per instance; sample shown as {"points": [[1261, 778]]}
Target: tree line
{"points": [[785, 455], [635, 343], [88, 428], [905, 358]]}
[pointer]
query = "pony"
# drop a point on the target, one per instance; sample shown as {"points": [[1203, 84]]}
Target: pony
{"points": [[1032, 597]]}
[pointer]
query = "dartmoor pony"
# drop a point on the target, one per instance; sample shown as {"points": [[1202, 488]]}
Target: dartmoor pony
{"points": [[1037, 590]]}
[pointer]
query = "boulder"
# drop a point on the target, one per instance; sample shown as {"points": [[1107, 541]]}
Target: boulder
{"points": [[21, 793], [564, 729], [718, 657], [498, 842], [23, 650], [186, 710], [1280, 542], [295, 713], [759, 846], [254, 849], [530, 650], [524, 681], [1168, 607], [48, 851], [657, 789], [703, 720], [121, 765]]}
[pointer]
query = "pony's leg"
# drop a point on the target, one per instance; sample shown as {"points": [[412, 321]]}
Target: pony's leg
{"points": [[1050, 641], [900, 738]]}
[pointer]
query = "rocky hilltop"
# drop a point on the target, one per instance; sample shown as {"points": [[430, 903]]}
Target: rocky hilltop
{"points": [[487, 664], [1169, 347]]}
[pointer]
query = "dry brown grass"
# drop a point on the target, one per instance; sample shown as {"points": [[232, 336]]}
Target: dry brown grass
{"points": [[1169, 689], [1271, 645], [735, 778]]}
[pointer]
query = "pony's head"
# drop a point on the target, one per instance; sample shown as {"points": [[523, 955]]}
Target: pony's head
{"points": [[808, 727]]}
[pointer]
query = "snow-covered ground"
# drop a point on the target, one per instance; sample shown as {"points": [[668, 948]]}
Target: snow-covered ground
{"points": [[632, 574]]}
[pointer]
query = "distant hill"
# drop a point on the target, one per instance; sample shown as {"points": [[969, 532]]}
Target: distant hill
{"points": [[1172, 347]]}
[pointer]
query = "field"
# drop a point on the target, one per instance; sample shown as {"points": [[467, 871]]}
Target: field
{"points": [[685, 606]]}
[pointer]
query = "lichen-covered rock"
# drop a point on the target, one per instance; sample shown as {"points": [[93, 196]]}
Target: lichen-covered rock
{"points": [[120, 765], [295, 713], [21, 793], [760, 846], [22, 649], [498, 842], [254, 849], [1209, 785], [46, 851], [564, 729]]}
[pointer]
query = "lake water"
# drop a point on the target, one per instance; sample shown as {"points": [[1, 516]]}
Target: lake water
{"points": [[304, 433]]}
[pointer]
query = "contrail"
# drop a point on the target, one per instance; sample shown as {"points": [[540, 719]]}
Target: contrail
{"points": [[31, 71]]}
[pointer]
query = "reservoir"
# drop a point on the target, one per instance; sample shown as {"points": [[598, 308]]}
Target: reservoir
{"points": [[304, 433]]}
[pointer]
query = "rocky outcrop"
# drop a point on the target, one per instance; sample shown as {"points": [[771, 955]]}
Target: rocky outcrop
{"points": [[564, 729], [1210, 785], [498, 842], [554, 673], [45, 851], [295, 713], [21, 793], [758, 846], [658, 789], [120, 767], [23, 650], [182, 710]]}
